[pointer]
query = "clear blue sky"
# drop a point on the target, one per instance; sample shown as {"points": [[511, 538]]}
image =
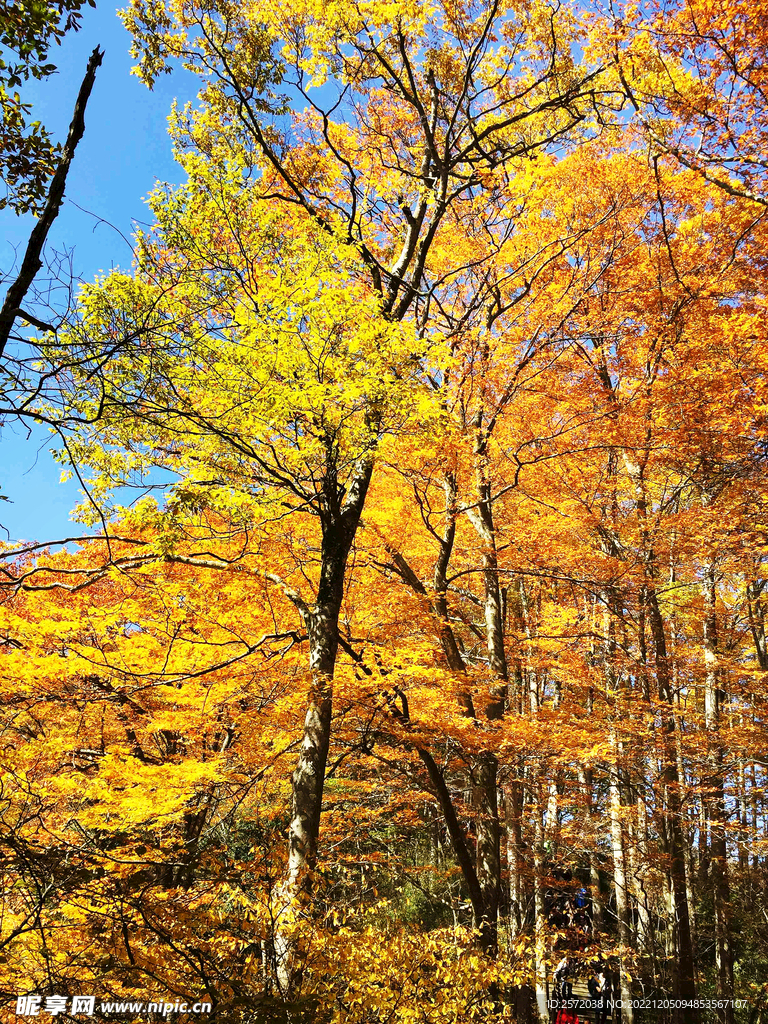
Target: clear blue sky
{"points": [[124, 151]]}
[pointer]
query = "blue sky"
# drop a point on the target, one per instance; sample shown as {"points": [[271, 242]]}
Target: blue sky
{"points": [[124, 151]]}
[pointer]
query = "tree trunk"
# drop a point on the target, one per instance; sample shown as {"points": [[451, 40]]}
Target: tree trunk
{"points": [[639, 863], [488, 850], [32, 261], [587, 782], [486, 767], [756, 615], [703, 849], [620, 880], [686, 985], [743, 824], [513, 803], [716, 803], [685, 974], [483, 875], [540, 920], [339, 521]]}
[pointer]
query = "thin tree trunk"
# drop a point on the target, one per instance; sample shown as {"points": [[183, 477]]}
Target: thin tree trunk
{"points": [[755, 613], [586, 780], [678, 727], [755, 818], [703, 849], [620, 889], [486, 768], [483, 876], [716, 802], [645, 927], [540, 917], [488, 849], [686, 985], [513, 803]]}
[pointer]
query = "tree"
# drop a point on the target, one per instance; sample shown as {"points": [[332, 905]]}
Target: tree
{"points": [[695, 75], [431, 83]]}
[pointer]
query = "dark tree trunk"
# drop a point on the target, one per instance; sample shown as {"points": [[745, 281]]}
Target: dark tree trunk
{"points": [[32, 262], [339, 521]]}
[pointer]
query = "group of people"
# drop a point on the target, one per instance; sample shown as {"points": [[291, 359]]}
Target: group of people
{"points": [[567, 903], [599, 985]]}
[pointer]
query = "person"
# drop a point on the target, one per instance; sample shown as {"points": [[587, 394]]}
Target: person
{"points": [[603, 995], [581, 902], [569, 913], [567, 1017], [563, 984], [592, 984]]}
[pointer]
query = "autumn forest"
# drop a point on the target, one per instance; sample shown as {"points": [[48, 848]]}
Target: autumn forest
{"points": [[413, 636]]}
